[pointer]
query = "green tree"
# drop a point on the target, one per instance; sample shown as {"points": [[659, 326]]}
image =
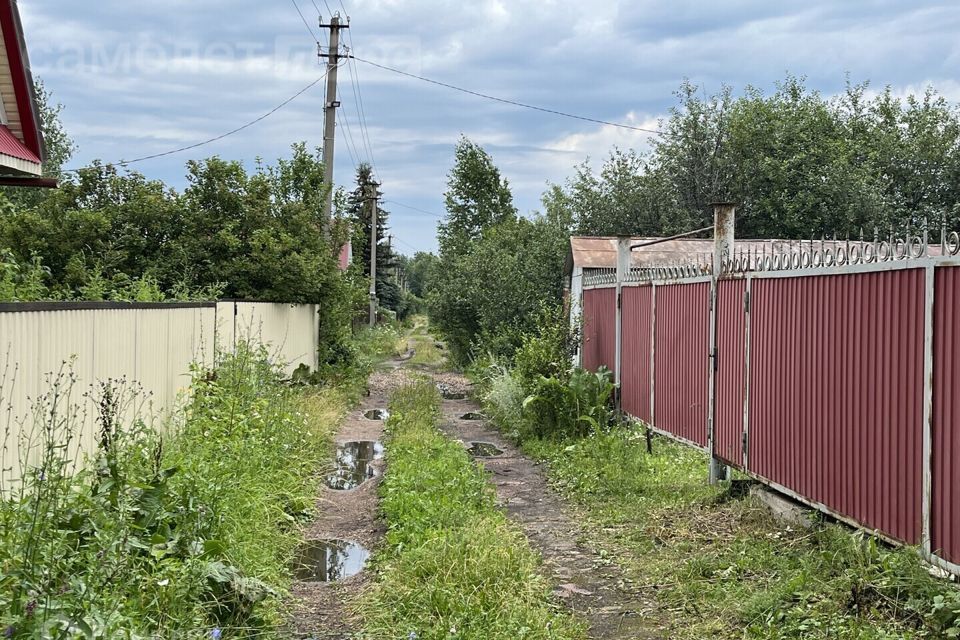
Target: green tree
{"points": [[358, 211], [798, 165], [419, 271], [477, 197]]}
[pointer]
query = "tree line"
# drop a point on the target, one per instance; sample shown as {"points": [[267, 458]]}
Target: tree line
{"points": [[798, 164], [110, 233]]}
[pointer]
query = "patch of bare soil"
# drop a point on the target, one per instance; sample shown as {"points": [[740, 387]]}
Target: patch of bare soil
{"points": [[321, 609], [591, 585]]}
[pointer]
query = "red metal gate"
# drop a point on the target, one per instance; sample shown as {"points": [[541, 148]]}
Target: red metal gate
{"points": [[731, 381], [682, 360]]}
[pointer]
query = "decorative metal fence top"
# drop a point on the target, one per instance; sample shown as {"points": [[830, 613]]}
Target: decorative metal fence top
{"points": [[600, 276], [751, 256], [787, 255], [700, 266]]}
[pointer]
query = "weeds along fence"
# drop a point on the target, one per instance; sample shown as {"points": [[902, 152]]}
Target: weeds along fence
{"points": [[830, 371], [72, 348]]}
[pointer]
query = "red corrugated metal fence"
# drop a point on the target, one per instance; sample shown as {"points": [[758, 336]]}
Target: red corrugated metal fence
{"points": [[635, 368], [945, 511], [836, 393], [681, 361], [829, 385], [599, 328]]}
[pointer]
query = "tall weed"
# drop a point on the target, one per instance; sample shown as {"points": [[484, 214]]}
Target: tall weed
{"points": [[155, 537], [572, 408]]}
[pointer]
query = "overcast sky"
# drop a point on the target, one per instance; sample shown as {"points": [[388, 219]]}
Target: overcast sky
{"points": [[144, 77]]}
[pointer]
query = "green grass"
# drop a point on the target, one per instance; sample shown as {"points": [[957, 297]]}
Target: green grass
{"points": [[720, 566], [451, 566], [426, 354], [172, 537]]}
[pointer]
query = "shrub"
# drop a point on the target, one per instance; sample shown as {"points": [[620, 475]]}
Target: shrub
{"points": [[547, 351], [559, 409], [504, 398]]}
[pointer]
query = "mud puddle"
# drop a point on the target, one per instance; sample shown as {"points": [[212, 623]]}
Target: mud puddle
{"points": [[329, 560], [354, 464], [483, 450]]}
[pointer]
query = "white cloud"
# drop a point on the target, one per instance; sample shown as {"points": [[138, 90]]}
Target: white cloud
{"points": [[217, 64]]}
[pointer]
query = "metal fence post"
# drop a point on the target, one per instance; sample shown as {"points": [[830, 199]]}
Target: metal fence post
{"points": [[724, 217], [927, 452], [623, 268]]}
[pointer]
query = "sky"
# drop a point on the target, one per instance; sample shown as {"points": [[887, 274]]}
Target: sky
{"points": [[145, 77]]}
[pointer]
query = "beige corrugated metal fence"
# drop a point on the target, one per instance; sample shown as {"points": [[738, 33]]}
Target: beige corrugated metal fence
{"points": [[150, 345]]}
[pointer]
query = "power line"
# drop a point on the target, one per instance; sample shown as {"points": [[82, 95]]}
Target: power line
{"points": [[361, 116], [320, 15], [358, 97], [153, 156], [510, 102], [406, 244], [407, 206], [355, 78], [348, 141], [318, 8], [305, 23]]}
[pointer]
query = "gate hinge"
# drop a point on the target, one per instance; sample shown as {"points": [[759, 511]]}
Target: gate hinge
{"points": [[744, 442], [746, 302], [715, 365], [619, 300]]}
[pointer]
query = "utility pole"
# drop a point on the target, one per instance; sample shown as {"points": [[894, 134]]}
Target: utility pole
{"points": [[390, 255], [330, 113], [374, 214]]}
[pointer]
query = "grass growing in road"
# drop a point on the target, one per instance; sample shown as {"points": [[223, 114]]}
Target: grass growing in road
{"points": [[426, 353], [721, 567], [451, 565]]}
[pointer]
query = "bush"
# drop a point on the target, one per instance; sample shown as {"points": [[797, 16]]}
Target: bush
{"points": [[575, 408], [546, 352], [504, 398]]}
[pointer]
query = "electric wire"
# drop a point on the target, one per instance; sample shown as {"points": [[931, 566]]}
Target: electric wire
{"points": [[153, 156], [406, 244], [355, 80], [506, 101], [320, 17], [364, 133], [320, 13], [358, 98], [407, 206], [305, 23], [348, 140]]}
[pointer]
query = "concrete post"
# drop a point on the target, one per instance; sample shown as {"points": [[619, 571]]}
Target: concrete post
{"points": [[623, 268], [724, 218]]}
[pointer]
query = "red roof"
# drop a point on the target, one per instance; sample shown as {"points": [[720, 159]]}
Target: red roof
{"points": [[17, 58], [11, 146]]}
